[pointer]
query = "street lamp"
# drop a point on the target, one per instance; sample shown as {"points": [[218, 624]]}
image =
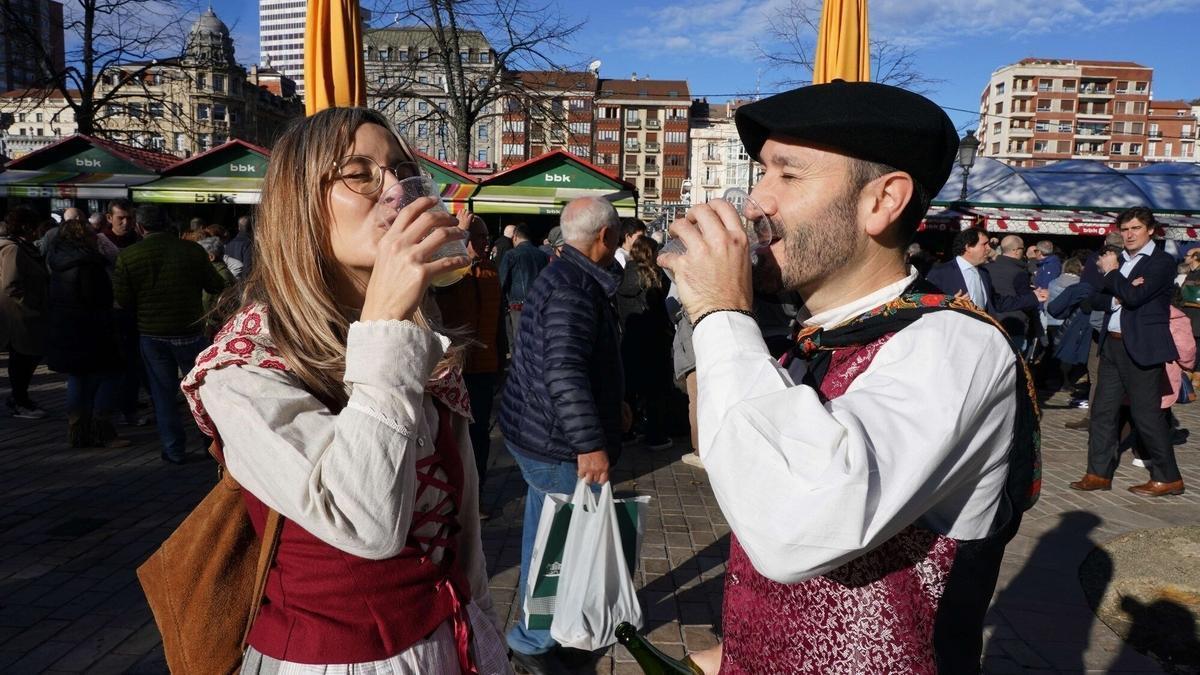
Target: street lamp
{"points": [[968, 147]]}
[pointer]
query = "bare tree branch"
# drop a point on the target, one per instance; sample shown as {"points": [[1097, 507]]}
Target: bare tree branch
{"points": [[790, 48], [522, 34]]}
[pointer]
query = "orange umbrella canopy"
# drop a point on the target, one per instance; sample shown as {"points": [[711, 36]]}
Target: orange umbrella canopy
{"points": [[333, 60], [842, 44]]}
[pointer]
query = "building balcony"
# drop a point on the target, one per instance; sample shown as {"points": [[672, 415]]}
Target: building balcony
{"points": [[1092, 133], [711, 159], [633, 146], [1024, 92], [633, 124], [651, 171], [652, 146], [710, 183], [1155, 135], [1020, 131], [1025, 113], [650, 192], [631, 170], [653, 124], [1089, 155], [1094, 115]]}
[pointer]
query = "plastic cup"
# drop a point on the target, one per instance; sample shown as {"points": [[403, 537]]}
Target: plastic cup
{"points": [[404, 192], [760, 229]]}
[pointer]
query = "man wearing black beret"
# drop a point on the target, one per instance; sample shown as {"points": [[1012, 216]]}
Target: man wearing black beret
{"points": [[873, 476]]}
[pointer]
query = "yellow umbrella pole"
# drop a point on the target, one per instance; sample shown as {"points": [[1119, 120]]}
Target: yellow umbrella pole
{"points": [[843, 51], [333, 59]]}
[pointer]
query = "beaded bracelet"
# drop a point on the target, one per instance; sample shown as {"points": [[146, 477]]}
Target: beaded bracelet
{"points": [[714, 311]]}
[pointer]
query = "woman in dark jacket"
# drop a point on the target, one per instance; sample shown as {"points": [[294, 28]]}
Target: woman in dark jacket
{"points": [[23, 280], [81, 339], [646, 344]]}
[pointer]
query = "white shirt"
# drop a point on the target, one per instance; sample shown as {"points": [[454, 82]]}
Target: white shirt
{"points": [[622, 257], [1114, 321], [349, 479], [922, 436], [974, 281]]}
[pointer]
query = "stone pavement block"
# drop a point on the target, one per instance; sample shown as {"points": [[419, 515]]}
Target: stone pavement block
{"points": [[39, 659]]}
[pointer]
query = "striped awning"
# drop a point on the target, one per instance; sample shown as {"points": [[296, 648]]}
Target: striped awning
{"points": [[1180, 227], [68, 184], [523, 200]]}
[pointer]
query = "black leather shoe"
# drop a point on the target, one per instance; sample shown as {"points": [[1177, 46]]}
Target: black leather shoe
{"points": [[539, 664]]}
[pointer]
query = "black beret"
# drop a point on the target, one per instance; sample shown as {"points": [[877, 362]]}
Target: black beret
{"points": [[866, 120]]}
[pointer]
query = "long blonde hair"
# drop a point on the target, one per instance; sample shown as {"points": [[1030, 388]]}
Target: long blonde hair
{"points": [[295, 272]]}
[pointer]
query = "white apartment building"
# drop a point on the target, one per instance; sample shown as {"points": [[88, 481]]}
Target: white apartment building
{"points": [[281, 37], [718, 158]]}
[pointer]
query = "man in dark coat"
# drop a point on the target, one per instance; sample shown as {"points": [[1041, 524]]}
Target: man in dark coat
{"points": [[1135, 344], [967, 274], [1010, 277], [562, 407]]}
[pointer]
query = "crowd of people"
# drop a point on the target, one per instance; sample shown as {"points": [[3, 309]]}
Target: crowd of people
{"points": [[120, 302], [350, 395]]}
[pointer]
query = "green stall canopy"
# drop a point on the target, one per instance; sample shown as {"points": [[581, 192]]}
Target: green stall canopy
{"points": [[82, 167], [544, 185], [455, 186], [231, 173]]}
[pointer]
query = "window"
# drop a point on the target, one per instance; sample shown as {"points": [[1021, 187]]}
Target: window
{"points": [[581, 127], [608, 112], [607, 135], [1122, 87], [996, 148], [578, 104], [218, 82], [578, 150], [205, 142], [1068, 85], [202, 111], [651, 184], [1135, 148], [218, 112], [482, 132], [1045, 84], [513, 149], [423, 54], [423, 79], [1043, 125], [201, 80], [677, 114], [1139, 108], [441, 154], [485, 57], [1069, 106], [1152, 149], [514, 126], [481, 156], [402, 105], [675, 137], [1000, 89], [1043, 105], [998, 125], [180, 142], [631, 116], [1000, 107], [1168, 148], [218, 139], [674, 160], [385, 53], [711, 151], [1154, 132], [1064, 127], [21, 117], [1140, 87], [156, 109], [422, 106], [422, 129], [1138, 127]]}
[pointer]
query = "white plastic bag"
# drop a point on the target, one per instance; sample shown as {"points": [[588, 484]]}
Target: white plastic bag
{"points": [[595, 587]]}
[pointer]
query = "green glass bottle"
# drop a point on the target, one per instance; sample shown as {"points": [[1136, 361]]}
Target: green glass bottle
{"points": [[653, 661]]}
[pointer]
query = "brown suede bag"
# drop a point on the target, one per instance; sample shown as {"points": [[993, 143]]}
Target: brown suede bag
{"points": [[205, 583]]}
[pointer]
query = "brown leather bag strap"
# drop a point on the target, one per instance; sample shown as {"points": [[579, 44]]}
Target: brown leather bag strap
{"points": [[266, 556]]}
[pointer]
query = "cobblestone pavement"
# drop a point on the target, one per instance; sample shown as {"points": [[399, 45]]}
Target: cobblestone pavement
{"points": [[75, 523]]}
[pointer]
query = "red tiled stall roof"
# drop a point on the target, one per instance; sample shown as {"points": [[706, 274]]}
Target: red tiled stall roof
{"points": [[140, 157]]}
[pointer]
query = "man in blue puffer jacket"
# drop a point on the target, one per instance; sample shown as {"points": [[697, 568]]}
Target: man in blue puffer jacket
{"points": [[561, 411]]}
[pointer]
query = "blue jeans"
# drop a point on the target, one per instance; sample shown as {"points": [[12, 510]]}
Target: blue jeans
{"points": [[92, 394], [165, 357], [542, 477]]}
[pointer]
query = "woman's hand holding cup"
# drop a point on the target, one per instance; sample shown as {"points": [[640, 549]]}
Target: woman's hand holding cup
{"points": [[404, 266]]}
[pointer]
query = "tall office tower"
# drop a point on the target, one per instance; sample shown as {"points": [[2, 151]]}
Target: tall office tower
{"points": [[40, 23], [281, 38]]}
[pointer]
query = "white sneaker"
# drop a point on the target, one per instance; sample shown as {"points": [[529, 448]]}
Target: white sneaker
{"points": [[692, 459], [25, 412]]}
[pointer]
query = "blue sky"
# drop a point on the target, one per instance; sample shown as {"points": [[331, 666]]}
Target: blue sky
{"points": [[711, 43]]}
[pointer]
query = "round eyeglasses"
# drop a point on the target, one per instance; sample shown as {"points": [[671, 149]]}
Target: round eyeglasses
{"points": [[365, 176]]}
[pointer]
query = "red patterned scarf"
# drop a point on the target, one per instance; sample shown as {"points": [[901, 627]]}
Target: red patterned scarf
{"points": [[246, 341]]}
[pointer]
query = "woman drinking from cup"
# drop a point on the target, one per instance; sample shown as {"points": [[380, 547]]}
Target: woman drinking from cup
{"points": [[337, 403]]}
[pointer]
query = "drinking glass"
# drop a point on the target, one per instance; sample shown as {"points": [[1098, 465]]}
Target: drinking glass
{"points": [[406, 191], [760, 229]]}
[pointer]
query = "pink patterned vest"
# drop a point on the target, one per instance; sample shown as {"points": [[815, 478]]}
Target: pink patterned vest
{"points": [[887, 611]]}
